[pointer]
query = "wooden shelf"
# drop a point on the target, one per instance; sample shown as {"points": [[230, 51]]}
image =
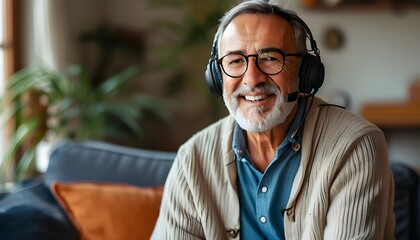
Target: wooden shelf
{"points": [[393, 115]]}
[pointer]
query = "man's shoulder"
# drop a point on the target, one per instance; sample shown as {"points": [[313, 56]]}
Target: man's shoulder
{"points": [[218, 133], [217, 129], [338, 120], [208, 146]]}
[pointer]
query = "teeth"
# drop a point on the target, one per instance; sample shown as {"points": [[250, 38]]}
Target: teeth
{"points": [[255, 98]]}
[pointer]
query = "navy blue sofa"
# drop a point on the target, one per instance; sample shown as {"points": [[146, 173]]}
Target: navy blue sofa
{"points": [[32, 212]]}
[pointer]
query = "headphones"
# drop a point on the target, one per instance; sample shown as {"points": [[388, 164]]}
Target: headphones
{"points": [[311, 71]]}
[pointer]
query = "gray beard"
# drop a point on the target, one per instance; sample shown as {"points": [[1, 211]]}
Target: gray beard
{"points": [[257, 119]]}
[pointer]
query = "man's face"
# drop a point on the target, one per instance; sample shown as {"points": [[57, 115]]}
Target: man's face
{"points": [[257, 100]]}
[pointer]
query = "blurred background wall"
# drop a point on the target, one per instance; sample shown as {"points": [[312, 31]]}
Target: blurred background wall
{"points": [[376, 61]]}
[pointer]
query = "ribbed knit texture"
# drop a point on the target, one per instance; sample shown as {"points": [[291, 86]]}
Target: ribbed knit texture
{"points": [[343, 188]]}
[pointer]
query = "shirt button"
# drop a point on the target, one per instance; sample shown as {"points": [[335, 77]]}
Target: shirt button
{"points": [[296, 147], [263, 219], [264, 189]]}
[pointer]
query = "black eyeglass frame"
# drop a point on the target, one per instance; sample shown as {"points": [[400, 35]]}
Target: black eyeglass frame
{"points": [[283, 54]]}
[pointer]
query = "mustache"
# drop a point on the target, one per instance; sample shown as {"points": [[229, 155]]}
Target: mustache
{"points": [[263, 87]]}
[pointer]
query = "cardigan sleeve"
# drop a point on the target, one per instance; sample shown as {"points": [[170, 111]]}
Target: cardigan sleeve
{"points": [[177, 217], [361, 195]]}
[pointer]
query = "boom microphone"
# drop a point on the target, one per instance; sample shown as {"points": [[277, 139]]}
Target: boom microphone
{"points": [[291, 97]]}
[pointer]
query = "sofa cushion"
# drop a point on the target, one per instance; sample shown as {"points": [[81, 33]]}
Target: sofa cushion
{"points": [[110, 211], [105, 162], [32, 212]]}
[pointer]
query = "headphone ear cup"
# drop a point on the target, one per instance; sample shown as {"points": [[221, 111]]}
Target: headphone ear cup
{"points": [[214, 78], [311, 74]]}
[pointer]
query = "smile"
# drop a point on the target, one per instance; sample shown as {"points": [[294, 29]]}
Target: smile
{"points": [[256, 98]]}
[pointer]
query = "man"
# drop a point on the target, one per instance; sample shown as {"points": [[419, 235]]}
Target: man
{"points": [[283, 165]]}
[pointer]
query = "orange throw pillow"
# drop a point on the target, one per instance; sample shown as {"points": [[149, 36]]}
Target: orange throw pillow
{"points": [[109, 211]]}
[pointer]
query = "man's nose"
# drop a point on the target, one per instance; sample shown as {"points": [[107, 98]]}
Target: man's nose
{"points": [[253, 75]]}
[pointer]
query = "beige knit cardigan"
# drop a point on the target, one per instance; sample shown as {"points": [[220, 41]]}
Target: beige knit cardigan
{"points": [[343, 188]]}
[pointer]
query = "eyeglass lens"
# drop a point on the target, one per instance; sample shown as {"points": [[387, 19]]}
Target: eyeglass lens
{"points": [[235, 64]]}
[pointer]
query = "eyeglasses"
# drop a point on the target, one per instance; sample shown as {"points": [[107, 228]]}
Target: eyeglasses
{"points": [[270, 62]]}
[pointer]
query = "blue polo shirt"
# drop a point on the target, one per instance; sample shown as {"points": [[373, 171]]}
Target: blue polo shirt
{"points": [[263, 196]]}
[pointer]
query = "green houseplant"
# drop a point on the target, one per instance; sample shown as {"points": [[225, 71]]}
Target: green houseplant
{"points": [[73, 108]]}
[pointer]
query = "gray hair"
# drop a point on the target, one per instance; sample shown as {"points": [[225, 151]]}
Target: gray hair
{"points": [[267, 8]]}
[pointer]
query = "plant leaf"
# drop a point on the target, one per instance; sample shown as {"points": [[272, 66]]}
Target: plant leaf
{"points": [[22, 132], [115, 83], [25, 163], [126, 115]]}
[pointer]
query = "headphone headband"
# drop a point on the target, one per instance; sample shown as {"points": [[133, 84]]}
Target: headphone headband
{"points": [[309, 35]]}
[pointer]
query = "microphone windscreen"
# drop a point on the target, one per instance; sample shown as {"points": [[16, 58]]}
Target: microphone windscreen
{"points": [[291, 97]]}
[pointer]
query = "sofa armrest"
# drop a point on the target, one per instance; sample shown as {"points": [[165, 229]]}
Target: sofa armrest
{"points": [[406, 201], [32, 212], [72, 161]]}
